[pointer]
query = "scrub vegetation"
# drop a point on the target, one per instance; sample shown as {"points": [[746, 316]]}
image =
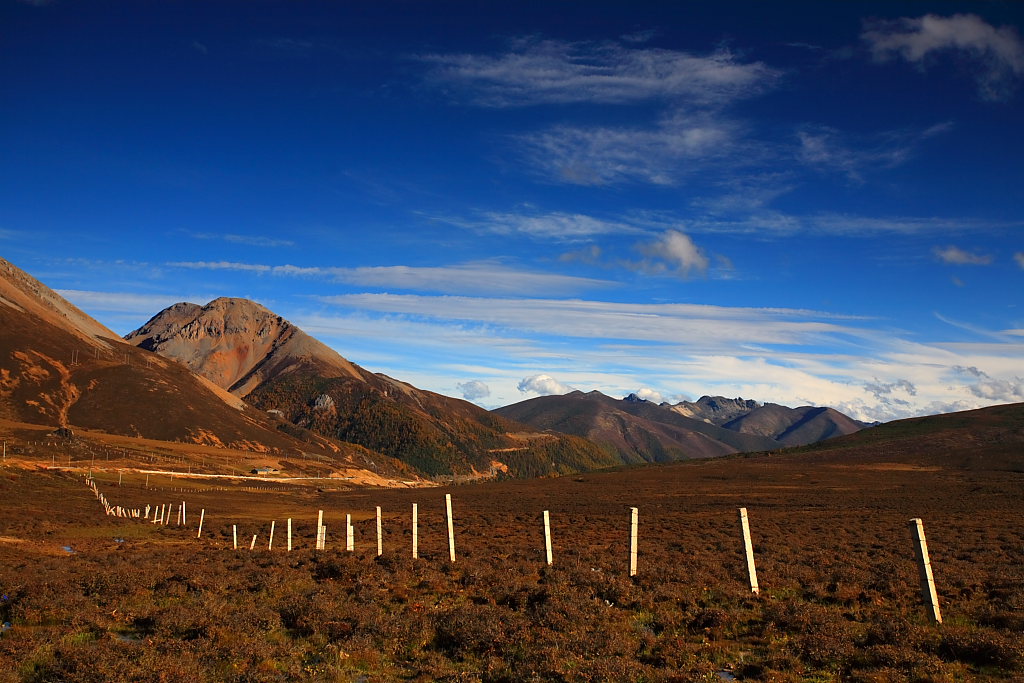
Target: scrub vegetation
{"points": [[96, 598]]}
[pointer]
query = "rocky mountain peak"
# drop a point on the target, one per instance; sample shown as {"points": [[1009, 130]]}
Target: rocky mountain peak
{"points": [[236, 343]]}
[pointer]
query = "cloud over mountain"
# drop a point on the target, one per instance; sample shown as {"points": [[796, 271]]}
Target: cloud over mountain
{"points": [[545, 385]]}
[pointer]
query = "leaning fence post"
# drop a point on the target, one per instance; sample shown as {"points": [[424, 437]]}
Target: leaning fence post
{"points": [[547, 536], [270, 543], [451, 527], [415, 537], [202, 515], [748, 551], [924, 569], [634, 522], [253, 544], [380, 535]]}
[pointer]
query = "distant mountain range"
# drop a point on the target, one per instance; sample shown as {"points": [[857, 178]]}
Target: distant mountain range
{"points": [[788, 426], [641, 431], [246, 378]]}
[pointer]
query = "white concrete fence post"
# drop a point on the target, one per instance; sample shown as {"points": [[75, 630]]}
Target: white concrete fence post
{"points": [[634, 523], [451, 526], [380, 535], [415, 532], [547, 537], [924, 569], [748, 551]]}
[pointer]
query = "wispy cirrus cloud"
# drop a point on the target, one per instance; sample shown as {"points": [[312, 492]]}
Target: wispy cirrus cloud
{"points": [[247, 240], [853, 156], [661, 155], [961, 257], [128, 302], [700, 326], [491, 277], [996, 53], [535, 71], [556, 225], [794, 357], [690, 90], [1019, 258]]}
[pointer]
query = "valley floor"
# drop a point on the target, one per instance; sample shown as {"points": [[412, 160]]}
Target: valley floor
{"points": [[90, 597]]}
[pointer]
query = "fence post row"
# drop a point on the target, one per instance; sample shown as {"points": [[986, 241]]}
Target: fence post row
{"points": [[161, 516]]}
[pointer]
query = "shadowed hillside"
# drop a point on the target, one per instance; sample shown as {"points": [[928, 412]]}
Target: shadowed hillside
{"points": [[61, 368], [636, 431]]}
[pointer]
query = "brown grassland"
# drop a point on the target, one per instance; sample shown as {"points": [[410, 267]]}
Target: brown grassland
{"points": [[91, 597]]}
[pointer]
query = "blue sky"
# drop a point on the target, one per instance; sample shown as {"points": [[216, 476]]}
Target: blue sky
{"points": [[805, 203]]}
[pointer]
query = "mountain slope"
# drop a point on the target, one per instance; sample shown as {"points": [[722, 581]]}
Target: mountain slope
{"points": [[60, 367], [794, 426], [989, 438], [256, 354], [637, 431]]}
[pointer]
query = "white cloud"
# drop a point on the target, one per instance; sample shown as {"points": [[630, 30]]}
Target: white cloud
{"points": [[957, 256], [650, 395], [984, 386], [536, 71], [473, 390], [221, 265], [248, 240], [121, 302], [730, 214], [829, 149], [556, 225], [675, 253], [696, 326], [997, 53], [845, 224], [545, 385], [765, 354], [489, 277], [1019, 258], [659, 155]]}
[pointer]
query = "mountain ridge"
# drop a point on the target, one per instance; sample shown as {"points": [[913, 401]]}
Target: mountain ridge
{"points": [[642, 431], [274, 365]]}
